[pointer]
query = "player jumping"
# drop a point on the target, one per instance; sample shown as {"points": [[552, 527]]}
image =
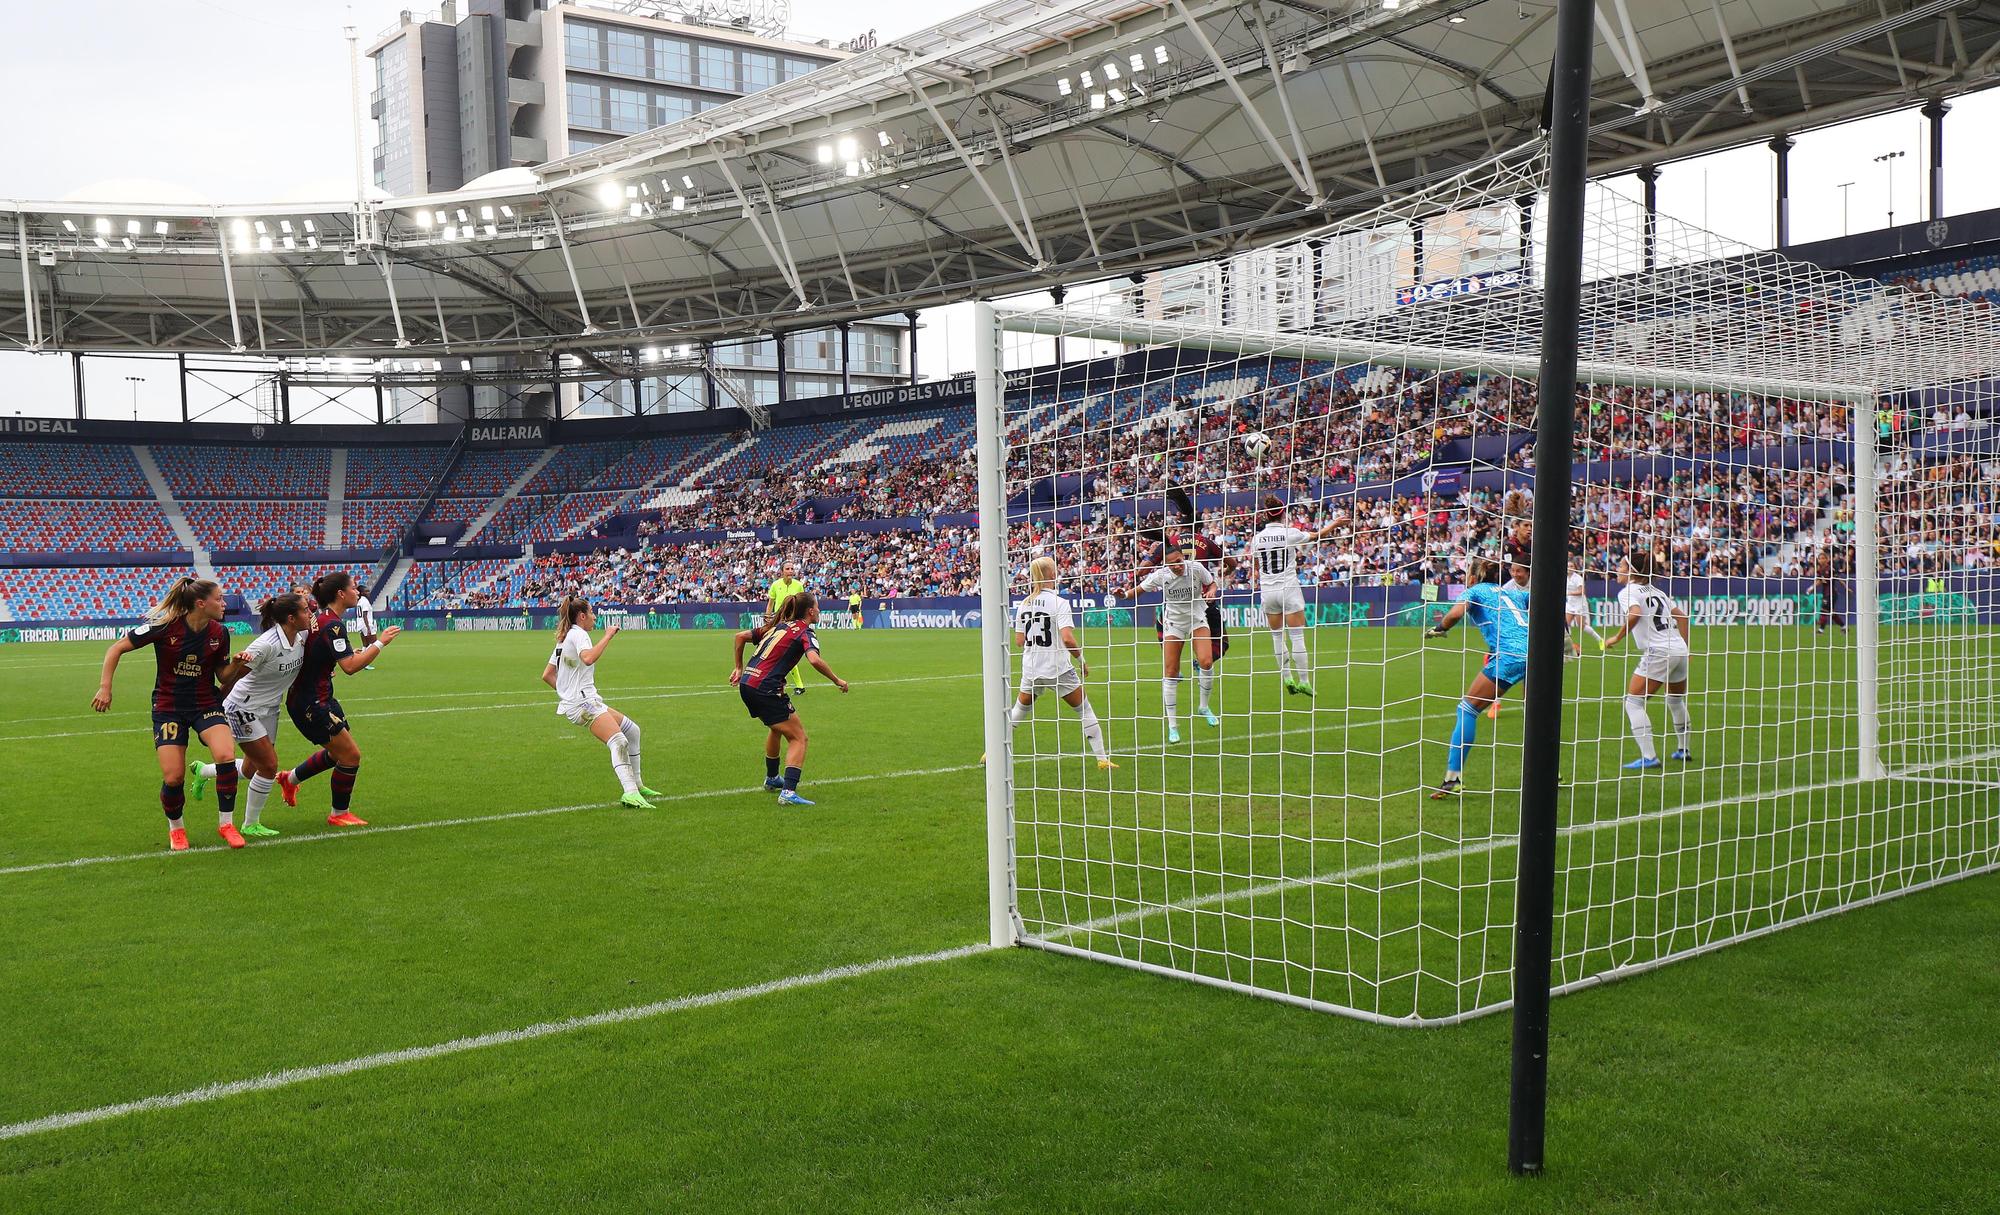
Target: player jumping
{"points": [[572, 672], [782, 640], [1660, 627], [1500, 613], [1274, 559], [1181, 583], [189, 647]]}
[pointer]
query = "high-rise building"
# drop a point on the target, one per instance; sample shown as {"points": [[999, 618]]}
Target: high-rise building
{"points": [[483, 85]]}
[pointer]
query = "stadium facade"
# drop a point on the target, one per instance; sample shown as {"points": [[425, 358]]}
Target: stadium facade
{"points": [[479, 87]]}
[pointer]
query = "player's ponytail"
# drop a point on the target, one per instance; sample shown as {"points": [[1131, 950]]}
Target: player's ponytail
{"points": [[279, 608], [1041, 575], [572, 607], [327, 587], [798, 607], [180, 599]]}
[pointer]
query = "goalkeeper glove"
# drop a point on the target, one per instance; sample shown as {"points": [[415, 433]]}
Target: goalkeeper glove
{"points": [[1436, 630], [1603, 645]]}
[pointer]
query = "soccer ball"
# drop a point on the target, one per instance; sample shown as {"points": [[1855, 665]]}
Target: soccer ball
{"points": [[1255, 444]]}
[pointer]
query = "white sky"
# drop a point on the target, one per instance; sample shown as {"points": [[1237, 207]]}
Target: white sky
{"points": [[249, 99]]}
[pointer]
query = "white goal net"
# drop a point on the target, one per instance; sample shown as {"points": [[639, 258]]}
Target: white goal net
{"points": [[1338, 435]]}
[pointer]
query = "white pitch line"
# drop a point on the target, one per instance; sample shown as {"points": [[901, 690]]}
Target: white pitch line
{"points": [[540, 702], [1478, 848], [467, 821], [507, 1037]]}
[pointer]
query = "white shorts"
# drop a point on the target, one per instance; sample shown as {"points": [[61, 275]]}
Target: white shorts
{"points": [[1179, 625], [1283, 600], [1577, 607], [249, 726], [1663, 665], [584, 713], [1062, 685]]}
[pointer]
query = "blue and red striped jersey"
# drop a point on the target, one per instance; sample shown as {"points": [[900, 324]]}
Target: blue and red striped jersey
{"points": [[188, 664], [779, 649], [325, 646]]}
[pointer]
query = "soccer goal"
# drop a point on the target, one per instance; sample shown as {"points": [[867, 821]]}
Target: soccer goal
{"points": [[1757, 442]]}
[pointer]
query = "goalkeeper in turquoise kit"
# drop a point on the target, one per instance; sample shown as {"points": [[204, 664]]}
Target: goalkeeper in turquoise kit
{"points": [[1500, 613]]}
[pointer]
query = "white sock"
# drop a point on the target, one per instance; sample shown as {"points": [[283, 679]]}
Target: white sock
{"points": [[208, 771], [253, 802], [225, 820], [621, 762], [1594, 634], [1677, 712], [1204, 680], [1093, 730], [1018, 714], [1278, 649], [1170, 696], [1300, 664], [1642, 724], [631, 732]]}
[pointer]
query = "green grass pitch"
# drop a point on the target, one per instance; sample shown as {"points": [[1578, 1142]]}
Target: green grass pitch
{"points": [[1843, 1065]]}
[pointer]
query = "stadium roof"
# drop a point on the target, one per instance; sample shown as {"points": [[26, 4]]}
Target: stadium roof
{"points": [[971, 160]]}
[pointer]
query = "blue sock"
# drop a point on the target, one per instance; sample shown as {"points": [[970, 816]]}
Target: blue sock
{"points": [[1462, 736], [792, 779]]}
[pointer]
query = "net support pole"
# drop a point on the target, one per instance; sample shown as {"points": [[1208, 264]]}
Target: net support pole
{"points": [[989, 436], [1541, 731], [1867, 585]]}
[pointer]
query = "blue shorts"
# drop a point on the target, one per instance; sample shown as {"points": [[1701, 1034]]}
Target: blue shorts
{"points": [[1505, 670]]}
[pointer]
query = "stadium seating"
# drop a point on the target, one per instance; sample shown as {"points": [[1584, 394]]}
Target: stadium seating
{"points": [[374, 522], [258, 582], [98, 593], [245, 472], [243, 526], [61, 526], [71, 470], [393, 472]]}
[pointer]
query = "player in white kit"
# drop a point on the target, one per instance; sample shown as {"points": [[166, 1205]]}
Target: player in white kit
{"points": [[572, 672], [1045, 630], [364, 623], [1183, 618], [1660, 628], [1576, 613], [254, 686], [1274, 554]]}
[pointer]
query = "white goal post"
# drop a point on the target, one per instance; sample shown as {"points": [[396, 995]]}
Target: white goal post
{"points": [[1746, 436]]}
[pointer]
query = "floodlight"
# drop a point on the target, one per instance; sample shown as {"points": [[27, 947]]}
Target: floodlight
{"points": [[463, 216], [506, 212], [1110, 70], [264, 243], [423, 219], [636, 210], [1159, 54], [69, 225], [492, 230], [309, 226], [847, 147], [1062, 86], [261, 229], [284, 225], [1137, 61], [291, 243], [130, 244], [1117, 96], [451, 232], [486, 213], [161, 227], [1084, 77], [1097, 101], [882, 138], [102, 243], [609, 194], [680, 204], [103, 226], [687, 181], [132, 227], [825, 153]]}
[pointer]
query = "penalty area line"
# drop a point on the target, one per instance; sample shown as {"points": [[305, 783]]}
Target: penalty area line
{"points": [[507, 1037]]}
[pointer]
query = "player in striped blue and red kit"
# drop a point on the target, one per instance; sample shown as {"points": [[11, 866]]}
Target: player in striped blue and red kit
{"points": [[783, 640], [190, 647], [311, 704]]}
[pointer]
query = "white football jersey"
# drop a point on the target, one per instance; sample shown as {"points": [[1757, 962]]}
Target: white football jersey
{"points": [[1040, 620], [364, 614], [1656, 627], [273, 664], [1274, 554], [576, 680], [1181, 592], [1576, 586]]}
